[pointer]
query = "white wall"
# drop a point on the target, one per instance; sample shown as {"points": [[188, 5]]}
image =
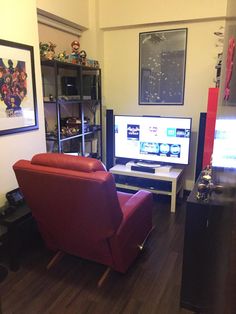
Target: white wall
{"points": [[22, 29], [75, 11], [91, 39], [230, 31], [231, 9], [61, 39], [121, 58], [113, 13]]}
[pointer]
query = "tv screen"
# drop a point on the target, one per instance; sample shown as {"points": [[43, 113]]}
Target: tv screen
{"points": [[152, 139], [224, 150]]}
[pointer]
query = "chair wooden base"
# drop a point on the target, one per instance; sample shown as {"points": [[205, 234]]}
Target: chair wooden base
{"points": [[56, 258], [108, 270], [141, 246], [104, 277]]}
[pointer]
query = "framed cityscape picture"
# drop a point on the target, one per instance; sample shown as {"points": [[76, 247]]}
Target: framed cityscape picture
{"points": [[18, 105], [162, 61]]}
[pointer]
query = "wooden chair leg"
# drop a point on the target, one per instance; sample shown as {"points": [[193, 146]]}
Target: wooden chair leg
{"points": [[104, 277], [56, 258], [141, 246]]}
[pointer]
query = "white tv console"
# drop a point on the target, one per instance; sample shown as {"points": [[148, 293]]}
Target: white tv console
{"points": [[167, 183]]}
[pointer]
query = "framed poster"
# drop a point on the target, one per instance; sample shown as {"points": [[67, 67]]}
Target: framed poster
{"points": [[162, 61], [18, 105]]}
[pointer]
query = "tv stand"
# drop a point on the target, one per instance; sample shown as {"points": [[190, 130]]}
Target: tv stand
{"points": [[166, 183]]}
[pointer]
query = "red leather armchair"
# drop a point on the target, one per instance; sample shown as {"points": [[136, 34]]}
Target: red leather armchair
{"points": [[78, 210]]}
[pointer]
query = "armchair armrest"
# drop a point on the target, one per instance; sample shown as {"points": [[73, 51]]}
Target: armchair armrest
{"points": [[134, 228], [136, 202]]}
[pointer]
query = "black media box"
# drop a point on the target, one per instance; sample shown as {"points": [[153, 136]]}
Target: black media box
{"points": [[143, 169]]}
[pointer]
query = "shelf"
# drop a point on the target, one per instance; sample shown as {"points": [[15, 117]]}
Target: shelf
{"points": [[53, 102], [73, 91], [92, 132], [88, 133], [75, 101], [136, 188], [68, 102], [89, 101], [61, 64], [70, 137], [51, 139]]}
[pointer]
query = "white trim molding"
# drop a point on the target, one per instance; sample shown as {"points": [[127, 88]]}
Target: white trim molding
{"points": [[57, 22]]}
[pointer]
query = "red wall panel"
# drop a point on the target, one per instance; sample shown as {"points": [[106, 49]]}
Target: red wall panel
{"points": [[210, 125]]}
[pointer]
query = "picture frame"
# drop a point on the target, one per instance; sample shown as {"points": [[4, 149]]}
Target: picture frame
{"points": [[162, 63], [18, 102]]}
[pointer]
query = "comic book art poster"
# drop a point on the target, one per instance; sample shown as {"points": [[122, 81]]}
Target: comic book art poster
{"points": [[18, 107]]}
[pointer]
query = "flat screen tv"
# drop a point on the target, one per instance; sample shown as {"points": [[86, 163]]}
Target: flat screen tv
{"points": [[224, 151], [151, 139]]}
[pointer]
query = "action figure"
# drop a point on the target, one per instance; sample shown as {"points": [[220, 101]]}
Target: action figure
{"points": [[74, 57]]}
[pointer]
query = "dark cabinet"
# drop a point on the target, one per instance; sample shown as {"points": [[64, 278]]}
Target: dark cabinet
{"points": [[72, 106], [205, 254]]}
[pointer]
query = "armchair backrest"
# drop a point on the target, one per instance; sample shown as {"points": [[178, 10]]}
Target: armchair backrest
{"points": [[73, 199]]}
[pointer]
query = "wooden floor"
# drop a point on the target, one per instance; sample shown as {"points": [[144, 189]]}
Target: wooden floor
{"points": [[152, 285]]}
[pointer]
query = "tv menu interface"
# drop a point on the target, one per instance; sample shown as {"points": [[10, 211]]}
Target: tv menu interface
{"points": [[158, 139]]}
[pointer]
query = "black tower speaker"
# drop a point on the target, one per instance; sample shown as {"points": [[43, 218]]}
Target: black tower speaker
{"points": [[109, 139], [200, 145]]}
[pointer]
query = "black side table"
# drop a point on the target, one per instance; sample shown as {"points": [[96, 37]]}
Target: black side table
{"points": [[3, 275], [14, 224], [207, 233]]}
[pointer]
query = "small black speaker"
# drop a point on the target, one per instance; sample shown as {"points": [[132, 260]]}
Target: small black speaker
{"points": [[200, 145], [109, 139]]}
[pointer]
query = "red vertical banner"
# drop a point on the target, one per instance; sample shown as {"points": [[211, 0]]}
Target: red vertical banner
{"points": [[210, 125]]}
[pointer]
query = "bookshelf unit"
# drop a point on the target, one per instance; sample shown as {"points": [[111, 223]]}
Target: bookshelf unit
{"points": [[72, 106]]}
